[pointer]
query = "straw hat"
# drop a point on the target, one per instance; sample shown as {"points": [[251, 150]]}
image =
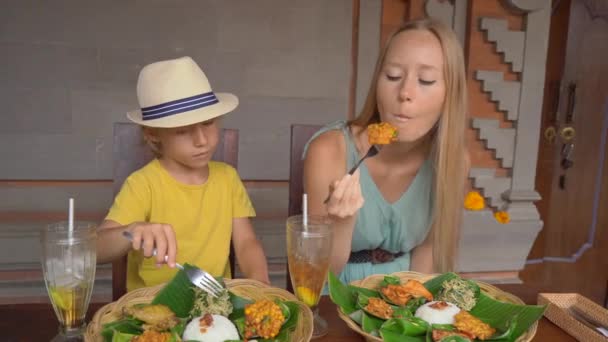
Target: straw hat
{"points": [[176, 93]]}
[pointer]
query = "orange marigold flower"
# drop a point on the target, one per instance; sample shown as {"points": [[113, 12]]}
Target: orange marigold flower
{"points": [[502, 217], [474, 201]]}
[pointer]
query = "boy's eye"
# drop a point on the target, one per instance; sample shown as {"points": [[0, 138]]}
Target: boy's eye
{"points": [[180, 132], [426, 82]]}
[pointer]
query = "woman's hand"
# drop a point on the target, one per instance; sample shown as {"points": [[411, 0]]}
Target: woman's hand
{"points": [[345, 198]]}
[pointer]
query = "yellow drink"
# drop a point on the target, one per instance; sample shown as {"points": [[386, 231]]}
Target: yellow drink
{"points": [[308, 279], [309, 245], [70, 304]]}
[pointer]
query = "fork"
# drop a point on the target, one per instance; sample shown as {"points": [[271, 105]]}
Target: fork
{"points": [[588, 321], [197, 276], [373, 150]]}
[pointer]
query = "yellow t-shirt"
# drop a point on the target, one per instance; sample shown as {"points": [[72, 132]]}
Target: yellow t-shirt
{"points": [[201, 216]]}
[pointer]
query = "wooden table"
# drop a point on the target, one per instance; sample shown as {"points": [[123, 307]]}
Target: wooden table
{"points": [[37, 322]]}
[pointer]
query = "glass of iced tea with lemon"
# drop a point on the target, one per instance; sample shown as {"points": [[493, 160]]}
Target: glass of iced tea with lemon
{"points": [[309, 247], [68, 264]]}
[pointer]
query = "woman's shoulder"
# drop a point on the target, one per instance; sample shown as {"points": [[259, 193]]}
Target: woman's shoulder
{"points": [[330, 144]]}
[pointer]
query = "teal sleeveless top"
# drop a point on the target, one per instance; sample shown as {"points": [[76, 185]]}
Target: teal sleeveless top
{"points": [[395, 227]]}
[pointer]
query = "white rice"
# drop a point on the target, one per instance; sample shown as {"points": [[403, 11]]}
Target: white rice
{"points": [[221, 329], [437, 316]]}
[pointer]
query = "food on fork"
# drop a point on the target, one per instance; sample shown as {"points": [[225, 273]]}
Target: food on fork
{"points": [[381, 133]]}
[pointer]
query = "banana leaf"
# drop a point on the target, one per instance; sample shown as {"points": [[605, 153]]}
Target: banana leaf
{"points": [[390, 280], [357, 316], [177, 294], [411, 326], [342, 295], [399, 312], [371, 324], [413, 304], [122, 337], [128, 326], [361, 290]]}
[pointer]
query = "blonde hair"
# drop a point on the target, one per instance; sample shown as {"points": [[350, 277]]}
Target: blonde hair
{"points": [[154, 146], [448, 151]]}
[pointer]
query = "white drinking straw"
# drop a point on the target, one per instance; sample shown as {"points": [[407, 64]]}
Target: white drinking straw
{"points": [[305, 211], [70, 218]]}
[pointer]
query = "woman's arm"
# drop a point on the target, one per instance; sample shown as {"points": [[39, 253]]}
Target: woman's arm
{"points": [[324, 171], [422, 256], [248, 250]]}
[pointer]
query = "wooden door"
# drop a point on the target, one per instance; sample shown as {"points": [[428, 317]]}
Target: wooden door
{"points": [[571, 252]]}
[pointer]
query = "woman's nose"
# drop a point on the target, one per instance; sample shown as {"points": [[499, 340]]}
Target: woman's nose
{"points": [[407, 92]]}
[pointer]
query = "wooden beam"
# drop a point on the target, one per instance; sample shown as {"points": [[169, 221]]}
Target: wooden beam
{"points": [[354, 59]]}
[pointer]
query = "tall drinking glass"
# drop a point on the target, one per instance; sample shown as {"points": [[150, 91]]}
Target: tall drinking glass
{"points": [[68, 264], [308, 255]]}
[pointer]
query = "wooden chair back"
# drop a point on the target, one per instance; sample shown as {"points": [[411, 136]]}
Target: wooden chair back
{"points": [[300, 134]]}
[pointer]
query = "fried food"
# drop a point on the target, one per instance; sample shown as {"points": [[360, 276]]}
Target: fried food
{"points": [[379, 308], [416, 289], [156, 317], [381, 133], [152, 336], [396, 294], [401, 294], [263, 318], [469, 324], [440, 334]]}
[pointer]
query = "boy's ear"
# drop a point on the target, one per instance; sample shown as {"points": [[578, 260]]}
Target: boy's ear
{"points": [[151, 134]]}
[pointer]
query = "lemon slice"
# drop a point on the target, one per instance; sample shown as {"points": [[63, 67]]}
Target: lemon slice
{"points": [[62, 297], [307, 296]]}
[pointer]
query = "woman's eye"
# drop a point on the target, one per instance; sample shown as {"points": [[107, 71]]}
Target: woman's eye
{"points": [[393, 78], [180, 132], [425, 82]]}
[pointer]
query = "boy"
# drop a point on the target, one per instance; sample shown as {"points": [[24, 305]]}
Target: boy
{"points": [[181, 203]]}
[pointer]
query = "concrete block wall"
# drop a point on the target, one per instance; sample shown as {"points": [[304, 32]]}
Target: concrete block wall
{"points": [[68, 70]]}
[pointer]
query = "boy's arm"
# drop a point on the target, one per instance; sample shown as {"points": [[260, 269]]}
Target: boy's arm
{"points": [[249, 253], [111, 245]]}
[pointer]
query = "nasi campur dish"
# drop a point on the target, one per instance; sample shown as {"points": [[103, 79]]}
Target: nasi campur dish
{"points": [[446, 308], [182, 312]]}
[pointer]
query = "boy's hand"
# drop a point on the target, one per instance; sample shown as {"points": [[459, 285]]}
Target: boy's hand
{"points": [[346, 198], [148, 236]]}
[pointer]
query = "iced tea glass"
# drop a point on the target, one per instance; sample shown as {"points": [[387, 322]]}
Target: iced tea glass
{"points": [[308, 254], [68, 264]]}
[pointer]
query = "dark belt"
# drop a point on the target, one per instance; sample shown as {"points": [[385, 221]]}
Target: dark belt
{"points": [[375, 256]]}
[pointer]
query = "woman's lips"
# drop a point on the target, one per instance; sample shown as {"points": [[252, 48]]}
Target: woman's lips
{"points": [[402, 117]]}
